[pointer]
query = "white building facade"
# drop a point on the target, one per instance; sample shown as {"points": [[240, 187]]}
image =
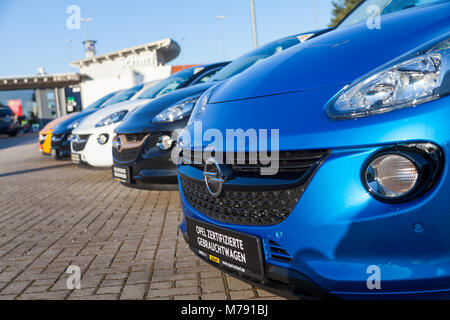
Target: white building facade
{"points": [[125, 68]]}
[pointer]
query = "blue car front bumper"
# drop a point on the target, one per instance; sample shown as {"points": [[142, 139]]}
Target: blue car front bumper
{"points": [[338, 230]]}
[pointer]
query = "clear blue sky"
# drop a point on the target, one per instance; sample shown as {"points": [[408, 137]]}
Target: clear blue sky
{"points": [[34, 33]]}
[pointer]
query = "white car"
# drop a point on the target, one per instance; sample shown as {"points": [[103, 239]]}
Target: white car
{"points": [[91, 142]]}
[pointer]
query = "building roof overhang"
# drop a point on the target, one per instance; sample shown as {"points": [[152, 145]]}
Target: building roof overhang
{"points": [[168, 48], [59, 80]]}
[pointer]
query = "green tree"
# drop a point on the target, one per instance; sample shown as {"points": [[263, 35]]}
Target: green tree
{"points": [[341, 8]]}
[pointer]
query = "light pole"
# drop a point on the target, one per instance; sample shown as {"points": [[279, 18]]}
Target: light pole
{"points": [[182, 53], [315, 13], [86, 21], [255, 34], [69, 47], [89, 45], [69, 42], [220, 19]]}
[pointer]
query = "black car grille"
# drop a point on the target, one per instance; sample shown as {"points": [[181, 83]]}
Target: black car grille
{"points": [[126, 155], [80, 143], [278, 253], [292, 164], [56, 140], [256, 204], [129, 155]]}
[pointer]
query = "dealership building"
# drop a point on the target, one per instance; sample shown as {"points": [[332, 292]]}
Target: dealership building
{"points": [[125, 68], [43, 97]]}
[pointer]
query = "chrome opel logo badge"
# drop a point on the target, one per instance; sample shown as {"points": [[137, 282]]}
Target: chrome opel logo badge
{"points": [[214, 178], [117, 143]]}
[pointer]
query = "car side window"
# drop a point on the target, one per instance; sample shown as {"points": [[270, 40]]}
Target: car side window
{"points": [[208, 75]]}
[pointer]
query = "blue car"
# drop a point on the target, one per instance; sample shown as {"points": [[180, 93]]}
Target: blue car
{"points": [[322, 172]]}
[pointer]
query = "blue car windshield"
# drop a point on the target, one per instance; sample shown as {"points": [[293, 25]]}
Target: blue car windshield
{"points": [[361, 13], [247, 60], [171, 83], [123, 96]]}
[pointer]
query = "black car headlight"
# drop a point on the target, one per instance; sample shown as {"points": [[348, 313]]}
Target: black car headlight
{"points": [[176, 112], [113, 118], [402, 172], [415, 79]]}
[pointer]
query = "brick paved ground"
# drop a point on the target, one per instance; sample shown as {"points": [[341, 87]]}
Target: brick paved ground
{"points": [[126, 242]]}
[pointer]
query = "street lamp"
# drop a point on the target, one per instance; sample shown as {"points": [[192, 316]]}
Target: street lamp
{"points": [[220, 19], [89, 45], [86, 21], [315, 13], [255, 34]]}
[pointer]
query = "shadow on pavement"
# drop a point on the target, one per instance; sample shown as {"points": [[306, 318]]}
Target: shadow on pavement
{"points": [[19, 140], [34, 170]]}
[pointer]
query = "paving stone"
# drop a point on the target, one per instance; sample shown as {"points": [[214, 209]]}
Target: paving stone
{"points": [[186, 297], [138, 277], [172, 292], [243, 294], [35, 289], [161, 285], [214, 296], [133, 292], [15, 287], [82, 292], [235, 284], [186, 283], [105, 290], [212, 285]]}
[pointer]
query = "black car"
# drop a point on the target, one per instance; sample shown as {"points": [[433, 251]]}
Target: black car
{"points": [[8, 123], [143, 144]]}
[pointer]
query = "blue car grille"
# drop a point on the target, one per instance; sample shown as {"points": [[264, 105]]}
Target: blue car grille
{"points": [[255, 204]]}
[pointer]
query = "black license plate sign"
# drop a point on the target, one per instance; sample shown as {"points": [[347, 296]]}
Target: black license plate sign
{"points": [[121, 174], [229, 249], [75, 158]]}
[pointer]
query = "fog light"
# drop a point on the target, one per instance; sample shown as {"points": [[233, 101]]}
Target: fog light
{"points": [[403, 172], [165, 143], [102, 139], [391, 176]]}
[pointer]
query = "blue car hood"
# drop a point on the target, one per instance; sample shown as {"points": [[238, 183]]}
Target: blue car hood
{"points": [[140, 120], [338, 57]]}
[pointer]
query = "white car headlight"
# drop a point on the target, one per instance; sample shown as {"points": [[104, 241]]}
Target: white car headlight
{"points": [[73, 125], [177, 112], [414, 81], [113, 118]]}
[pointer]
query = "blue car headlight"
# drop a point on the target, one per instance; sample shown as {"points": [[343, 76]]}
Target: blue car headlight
{"points": [[200, 106], [176, 112], [113, 118], [73, 125], [407, 83]]}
